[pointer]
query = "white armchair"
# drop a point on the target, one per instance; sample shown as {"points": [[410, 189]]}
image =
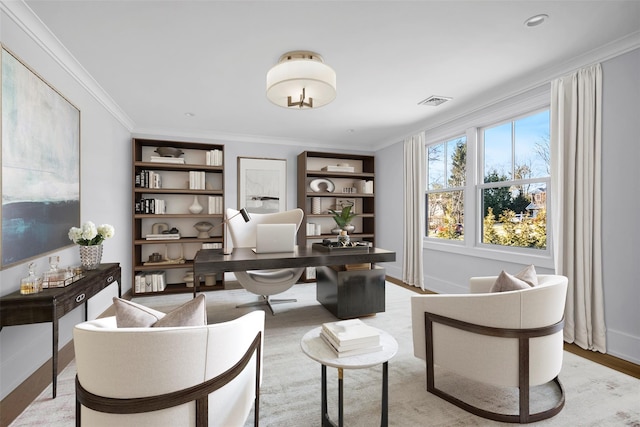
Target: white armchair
{"points": [[168, 376], [510, 339], [263, 282]]}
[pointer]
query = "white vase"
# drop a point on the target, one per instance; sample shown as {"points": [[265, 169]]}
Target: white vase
{"points": [[195, 207], [90, 256]]}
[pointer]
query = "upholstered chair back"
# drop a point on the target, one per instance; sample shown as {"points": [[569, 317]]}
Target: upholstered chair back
{"points": [[494, 359], [139, 362], [243, 234]]}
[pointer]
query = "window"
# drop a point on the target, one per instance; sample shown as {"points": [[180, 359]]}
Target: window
{"points": [[515, 173], [446, 179], [497, 176]]}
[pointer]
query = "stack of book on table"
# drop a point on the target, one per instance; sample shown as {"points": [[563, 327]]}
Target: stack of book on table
{"points": [[351, 337]]}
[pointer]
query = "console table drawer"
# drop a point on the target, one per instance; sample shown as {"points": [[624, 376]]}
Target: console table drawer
{"points": [[79, 296]]}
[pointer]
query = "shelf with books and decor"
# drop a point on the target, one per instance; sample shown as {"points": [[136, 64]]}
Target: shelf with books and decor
{"points": [[178, 205], [328, 182]]}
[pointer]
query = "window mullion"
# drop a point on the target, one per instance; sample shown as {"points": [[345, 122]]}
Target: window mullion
{"points": [[470, 194]]}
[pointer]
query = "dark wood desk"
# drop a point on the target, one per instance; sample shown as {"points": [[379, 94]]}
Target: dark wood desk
{"points": [[51, 304], [210, 261]]}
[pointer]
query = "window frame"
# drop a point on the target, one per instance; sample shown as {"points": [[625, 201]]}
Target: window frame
{"points": [[445, 189], [471, 245]]}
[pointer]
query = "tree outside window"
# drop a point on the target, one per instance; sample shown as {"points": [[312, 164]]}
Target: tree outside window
{"points": [[516, 177], [446, 171]]}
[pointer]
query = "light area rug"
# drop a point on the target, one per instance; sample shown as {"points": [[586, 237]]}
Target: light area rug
{"points": [[290, 394]]}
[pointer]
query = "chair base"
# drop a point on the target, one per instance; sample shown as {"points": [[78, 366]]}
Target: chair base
{"points": [[523, 336], [265, 300], [521, 418]]}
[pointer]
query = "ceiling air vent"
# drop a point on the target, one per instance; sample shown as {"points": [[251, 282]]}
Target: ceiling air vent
{"points": [[434, 101]]}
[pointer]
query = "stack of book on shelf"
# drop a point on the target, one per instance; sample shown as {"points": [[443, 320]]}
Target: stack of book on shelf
{"points": [[214, 158], [168, 236], [148, 179], [160, 159], [196, 180], [215, 204], [338, 168], [153, 281], [151, 206], [351, 337]]}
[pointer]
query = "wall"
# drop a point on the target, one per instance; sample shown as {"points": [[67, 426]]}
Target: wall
{"points": [[621, 204], [448, 272], [105, 171]]}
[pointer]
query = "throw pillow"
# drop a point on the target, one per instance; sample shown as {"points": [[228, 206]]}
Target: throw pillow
{"points": [[506, 282], [529, 275], [191, 313], [132, 315]]}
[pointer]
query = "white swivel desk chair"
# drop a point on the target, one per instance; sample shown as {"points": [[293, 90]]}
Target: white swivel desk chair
{"points": [[263, 282]]}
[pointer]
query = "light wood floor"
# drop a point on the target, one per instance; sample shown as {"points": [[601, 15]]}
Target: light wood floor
{"points": [[607, 360]]}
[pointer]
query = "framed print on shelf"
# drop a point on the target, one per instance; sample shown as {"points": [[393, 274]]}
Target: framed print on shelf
{"points": [[40, 165], [262, 184]]}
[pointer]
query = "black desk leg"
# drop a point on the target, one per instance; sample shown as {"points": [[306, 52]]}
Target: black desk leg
{"points": [[384, 422]]}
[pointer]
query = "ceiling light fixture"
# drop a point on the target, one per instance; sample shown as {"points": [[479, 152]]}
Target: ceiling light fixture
{"points": [[301, 79], [536, 20]]}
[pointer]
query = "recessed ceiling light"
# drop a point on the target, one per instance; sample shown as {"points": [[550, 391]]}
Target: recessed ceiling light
{"points": [[536, 20], [189, 114]]}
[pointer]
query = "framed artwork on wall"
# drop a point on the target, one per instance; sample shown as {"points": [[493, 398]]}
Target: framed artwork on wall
{"points": [[40, 165], [262, 184]]}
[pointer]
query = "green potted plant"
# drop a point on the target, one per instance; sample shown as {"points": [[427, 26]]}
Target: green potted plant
{"points": [[343, 219]]}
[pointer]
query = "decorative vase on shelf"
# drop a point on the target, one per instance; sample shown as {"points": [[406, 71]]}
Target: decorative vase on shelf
{"points": [[195, 207], [349, 228], [90, 256], [203, 228]]}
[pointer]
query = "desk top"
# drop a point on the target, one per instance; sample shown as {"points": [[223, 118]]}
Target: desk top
{"points": [[209, 261], [315, 347]]}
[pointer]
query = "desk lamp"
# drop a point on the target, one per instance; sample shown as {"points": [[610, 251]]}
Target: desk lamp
{"points": [[245, 216]]}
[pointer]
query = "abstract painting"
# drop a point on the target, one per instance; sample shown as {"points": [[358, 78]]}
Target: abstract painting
{"points": [[262, 185], [40, 165]]}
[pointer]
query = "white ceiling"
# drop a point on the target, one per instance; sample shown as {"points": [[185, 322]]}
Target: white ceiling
{"points": [[161, 59]]}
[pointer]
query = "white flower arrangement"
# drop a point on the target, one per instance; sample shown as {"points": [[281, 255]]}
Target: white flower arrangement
{"points": [[90, 235]]}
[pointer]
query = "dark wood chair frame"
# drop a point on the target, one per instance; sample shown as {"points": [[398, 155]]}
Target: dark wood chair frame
{"points": [[198, 393], [523, 336]]}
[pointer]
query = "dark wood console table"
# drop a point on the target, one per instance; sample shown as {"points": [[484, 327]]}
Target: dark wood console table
{"points": [[51, 304]]}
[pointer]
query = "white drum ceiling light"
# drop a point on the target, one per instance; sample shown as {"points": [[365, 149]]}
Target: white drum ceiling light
{"points": [[301, 80]]}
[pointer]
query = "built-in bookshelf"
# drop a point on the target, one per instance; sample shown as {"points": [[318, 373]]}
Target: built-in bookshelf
{"points": [[331, 181], [178, 204]]}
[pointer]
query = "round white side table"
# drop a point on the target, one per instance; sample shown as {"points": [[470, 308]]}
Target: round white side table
{"points": [[315, 347]]}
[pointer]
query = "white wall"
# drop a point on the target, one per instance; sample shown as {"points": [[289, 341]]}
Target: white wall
{"points": [[447, 272], [621, 204], [105, 187]]}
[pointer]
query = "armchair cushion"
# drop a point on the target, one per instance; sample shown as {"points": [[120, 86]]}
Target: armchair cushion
{"points": [[191, 313], [132, 315], [523, 280], [506, 282]]}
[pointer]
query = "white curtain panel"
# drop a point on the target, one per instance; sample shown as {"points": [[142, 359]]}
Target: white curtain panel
{"points": [[414, 193], [576, 123]]}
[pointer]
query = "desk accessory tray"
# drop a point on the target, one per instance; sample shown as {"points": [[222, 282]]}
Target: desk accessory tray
{"points": [[337, 247], [60, 279]]}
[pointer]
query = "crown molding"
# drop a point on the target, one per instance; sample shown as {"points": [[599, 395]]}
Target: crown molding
{"points": [[24, 17], [529, 82]]}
